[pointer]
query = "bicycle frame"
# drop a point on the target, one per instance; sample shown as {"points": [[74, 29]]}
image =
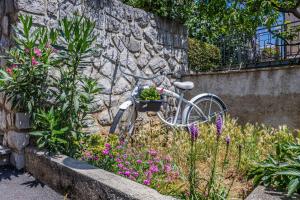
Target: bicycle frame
{"points": [[181, 99]]}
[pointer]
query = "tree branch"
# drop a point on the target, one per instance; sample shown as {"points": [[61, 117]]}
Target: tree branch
{"points": [[293, 10]]}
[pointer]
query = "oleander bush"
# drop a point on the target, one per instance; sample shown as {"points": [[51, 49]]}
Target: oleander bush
{"points": [[43, 77], [203, 56]]}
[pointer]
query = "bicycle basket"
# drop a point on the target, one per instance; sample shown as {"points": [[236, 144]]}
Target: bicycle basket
{"points": [[147, 105]]}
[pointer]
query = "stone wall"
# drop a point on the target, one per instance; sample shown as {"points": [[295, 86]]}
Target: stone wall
{"points": [[270, 95], [14, 126], [7, 17], [140, 40]]}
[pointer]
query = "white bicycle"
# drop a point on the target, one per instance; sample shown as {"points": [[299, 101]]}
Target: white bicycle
{"points": [[173, 109]]}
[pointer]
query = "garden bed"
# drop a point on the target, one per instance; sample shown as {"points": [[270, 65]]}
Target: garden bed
{"points": [[79, 180]]}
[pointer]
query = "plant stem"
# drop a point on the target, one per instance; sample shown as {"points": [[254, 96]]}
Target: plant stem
{"points": [[213, 171], [225, 158]]}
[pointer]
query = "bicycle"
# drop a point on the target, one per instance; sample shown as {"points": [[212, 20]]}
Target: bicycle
{"points": [[175, 111]]}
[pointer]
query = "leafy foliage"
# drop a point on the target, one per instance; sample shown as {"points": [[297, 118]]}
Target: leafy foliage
{"points": [[150, 93], [281, 170], [203, 56], [172, 9], [44, 76], [51, 136], [23, 80]]}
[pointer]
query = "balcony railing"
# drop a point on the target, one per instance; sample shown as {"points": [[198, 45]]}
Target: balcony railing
{"points": [[277, 46]]}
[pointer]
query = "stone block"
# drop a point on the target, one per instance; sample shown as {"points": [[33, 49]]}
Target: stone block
{"points": [[32, 6], [5, 26], [17, 141], [17, 159], [2, 119], [157, 63], [84, 181], [9, 7], [22, 120], [2, 98]]}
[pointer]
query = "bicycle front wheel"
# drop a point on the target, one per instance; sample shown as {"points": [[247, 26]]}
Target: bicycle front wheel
{"points": [[124, 123], [205, 109]]}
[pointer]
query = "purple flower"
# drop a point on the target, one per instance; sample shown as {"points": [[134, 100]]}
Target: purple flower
{"points": [[147, 182], [125, 156], [139, 161], [127, 163], [118, 160], [194, 132], [105, 152], [219, 125], [152, 152], [167, 168], [96, 158], [135, 174], [120, 172], [107, 146], [227, 139], [153, 169], [127, 173], [120, 165], [148, 174], [150, 162]]}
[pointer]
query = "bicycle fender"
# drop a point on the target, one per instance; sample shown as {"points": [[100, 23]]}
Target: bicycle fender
{"points": [[125, 105]]}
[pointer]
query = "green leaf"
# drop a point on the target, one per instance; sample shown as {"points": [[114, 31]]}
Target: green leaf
{"points": [[294, 184], [289, 172]]}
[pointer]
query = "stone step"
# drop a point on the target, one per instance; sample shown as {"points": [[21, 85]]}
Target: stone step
{"points": [[4, 155]]}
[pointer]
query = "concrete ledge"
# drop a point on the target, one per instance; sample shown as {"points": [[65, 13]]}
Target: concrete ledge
{"points": [[83, 181], [262, 193]]}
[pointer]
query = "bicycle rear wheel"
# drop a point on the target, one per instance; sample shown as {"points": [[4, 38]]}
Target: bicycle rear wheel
{"points": [[124, 123], [209, 107]]}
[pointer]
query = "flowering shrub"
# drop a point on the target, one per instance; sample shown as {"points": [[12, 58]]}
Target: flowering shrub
{"points": [[147, 166], [43, 77], [23, 79]]}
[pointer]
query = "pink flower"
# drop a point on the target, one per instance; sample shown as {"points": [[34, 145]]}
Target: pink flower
{"points": [[119, 147], [167, 168], [87, 154], [96, 158], [154, 169], [127, 163], [147, 182], [135, 174], [118, 160], [120, 165], [105, 152], [37, 52], [107, 146], [139, 161], [150, 162], [148, 174], [127, 173], [33, 61], [26, 50], [120, 172], [9, 70], [152, 152]]}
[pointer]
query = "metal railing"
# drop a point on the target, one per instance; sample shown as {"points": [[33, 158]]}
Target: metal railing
{"points": [[277, 46]]}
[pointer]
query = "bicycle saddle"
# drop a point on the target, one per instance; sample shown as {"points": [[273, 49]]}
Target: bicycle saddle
{"points": [[186, 85]]}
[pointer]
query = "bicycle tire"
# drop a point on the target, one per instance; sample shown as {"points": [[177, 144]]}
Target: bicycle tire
{"points": [[212, 98], [116, 120]]}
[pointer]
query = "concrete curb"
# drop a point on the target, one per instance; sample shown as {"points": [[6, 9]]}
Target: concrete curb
{"points": [[82, 181]]}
